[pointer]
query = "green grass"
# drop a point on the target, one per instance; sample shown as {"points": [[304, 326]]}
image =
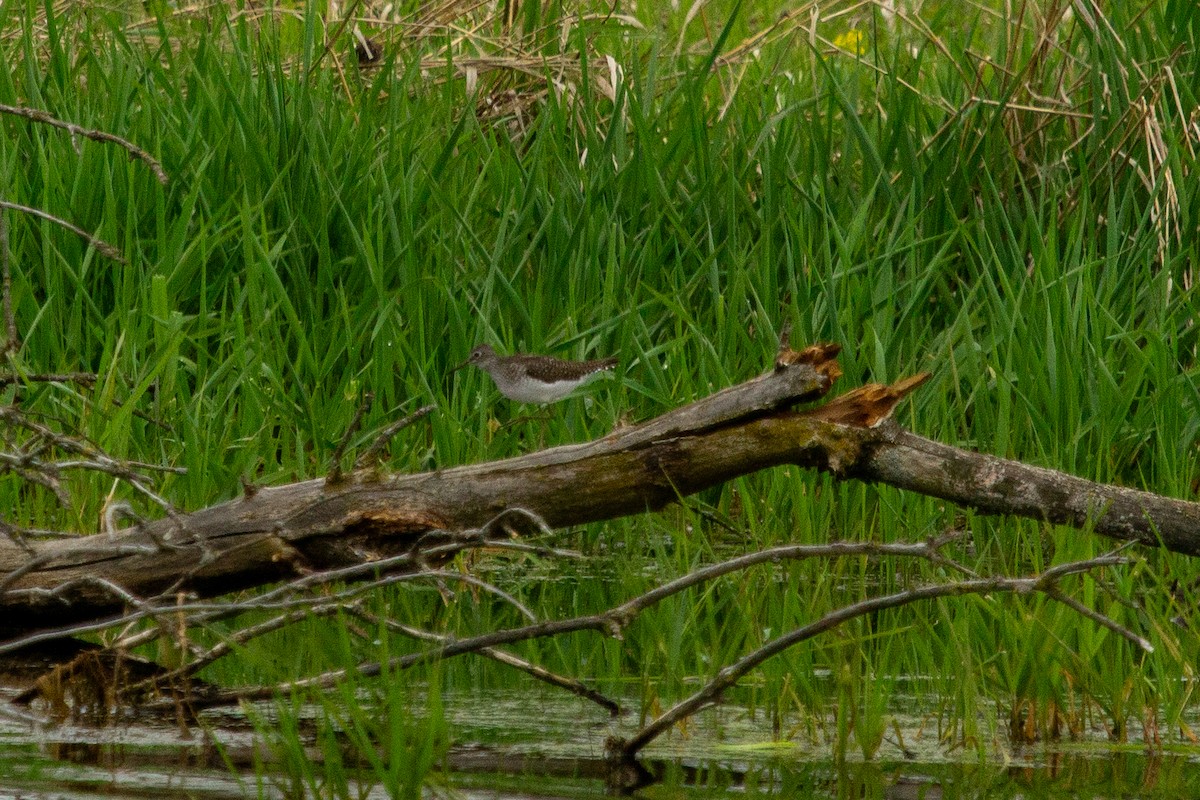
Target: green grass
{"points": [[331, 231]]}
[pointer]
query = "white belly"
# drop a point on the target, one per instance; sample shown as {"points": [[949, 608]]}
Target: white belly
{"points": [[529, 390]]}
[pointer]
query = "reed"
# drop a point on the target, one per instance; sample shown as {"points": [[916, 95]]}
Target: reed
{"points": [[999, 195]]}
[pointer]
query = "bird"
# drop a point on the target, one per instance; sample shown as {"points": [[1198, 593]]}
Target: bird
{"points": [[114, 512], [531, 378]]}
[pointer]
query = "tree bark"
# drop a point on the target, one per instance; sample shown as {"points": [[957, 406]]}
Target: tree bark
{"points": [[285, 532]]}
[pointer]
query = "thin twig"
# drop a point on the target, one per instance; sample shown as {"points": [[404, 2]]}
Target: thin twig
{"points": [[83, 378], [135, 152], [335, 468], [12, 342], [610, 622], [1098, 618], [237, 638], [92, 459], [285, 597], [102, 246], [87, 548], [386, 436], [199, 612], [708, 695], [346, 17], [16, 535], [535, 671], [536, 550], [501, 525]]}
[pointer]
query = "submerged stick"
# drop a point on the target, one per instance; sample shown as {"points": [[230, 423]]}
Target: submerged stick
{"points": [[611, 622], [1046, 583]]}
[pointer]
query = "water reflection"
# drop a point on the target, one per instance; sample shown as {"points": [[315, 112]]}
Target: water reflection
{"points": [[532, 743]]}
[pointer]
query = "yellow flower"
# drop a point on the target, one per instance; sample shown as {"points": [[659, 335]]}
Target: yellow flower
{"points": [[852, 40]]}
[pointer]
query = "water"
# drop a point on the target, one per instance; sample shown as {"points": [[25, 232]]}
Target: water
{"points": [[517, 744]]}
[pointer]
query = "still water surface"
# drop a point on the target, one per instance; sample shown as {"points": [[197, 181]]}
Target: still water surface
{"points": [[500, 734]]}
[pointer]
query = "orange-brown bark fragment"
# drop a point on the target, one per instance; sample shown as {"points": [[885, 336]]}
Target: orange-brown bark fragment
{"points": [[868, 405], [822, 357]]}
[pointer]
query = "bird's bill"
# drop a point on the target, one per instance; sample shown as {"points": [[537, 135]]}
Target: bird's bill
{"points": [[466, 363]]}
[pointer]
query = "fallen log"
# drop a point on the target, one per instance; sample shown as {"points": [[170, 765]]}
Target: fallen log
{"points": [[282, 533]]}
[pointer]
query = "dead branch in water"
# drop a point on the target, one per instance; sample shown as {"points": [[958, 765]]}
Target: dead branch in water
{"points": [[329, 541]]}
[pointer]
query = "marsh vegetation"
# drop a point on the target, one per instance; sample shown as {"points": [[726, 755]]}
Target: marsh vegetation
{"points": [[1001, 195]]}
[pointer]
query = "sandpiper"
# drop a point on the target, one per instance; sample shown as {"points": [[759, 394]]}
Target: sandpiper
{"points": [[534, 379]]}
